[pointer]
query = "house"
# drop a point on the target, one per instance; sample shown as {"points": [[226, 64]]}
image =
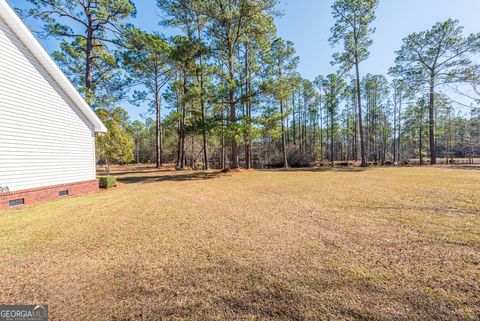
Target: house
{"points": [[47, 130]]}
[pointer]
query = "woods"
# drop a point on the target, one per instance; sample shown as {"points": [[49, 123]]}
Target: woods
{"points": [[240, 159], [225, 91]]}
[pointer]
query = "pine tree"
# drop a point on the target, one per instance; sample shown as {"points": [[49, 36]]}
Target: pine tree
{"points": [[434, 58], [353, 29]]}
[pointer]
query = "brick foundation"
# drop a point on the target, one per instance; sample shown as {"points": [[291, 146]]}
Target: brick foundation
{"points": [[48, 193]]}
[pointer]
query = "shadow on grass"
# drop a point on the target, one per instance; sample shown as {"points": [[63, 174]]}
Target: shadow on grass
{"points": [[319, 169], [173, 176], [197, 176], [467, 167], [421, 208], [134, 170]]}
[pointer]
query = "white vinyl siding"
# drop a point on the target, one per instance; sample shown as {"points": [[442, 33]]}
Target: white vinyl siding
{"points": [[44, 138]]}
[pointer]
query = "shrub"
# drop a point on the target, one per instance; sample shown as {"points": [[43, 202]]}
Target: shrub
{"points": [[295, 159], [107, 182]]}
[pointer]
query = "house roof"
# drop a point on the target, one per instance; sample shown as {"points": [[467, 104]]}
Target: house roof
{"points": [[33, 45]]}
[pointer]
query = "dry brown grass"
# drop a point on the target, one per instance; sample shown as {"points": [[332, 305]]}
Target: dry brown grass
{"points": [[385, 243]]}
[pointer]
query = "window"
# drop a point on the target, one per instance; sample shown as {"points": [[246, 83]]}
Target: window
{"points": [[63, 193], [17, 202]]}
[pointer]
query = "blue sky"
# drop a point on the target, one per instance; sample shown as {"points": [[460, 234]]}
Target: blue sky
{"points": [[307, 23]]}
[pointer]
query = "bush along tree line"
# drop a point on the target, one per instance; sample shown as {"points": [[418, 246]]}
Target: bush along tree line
{"points": [[225, 91]]}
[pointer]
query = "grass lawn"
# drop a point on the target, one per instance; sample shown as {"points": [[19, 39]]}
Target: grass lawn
{"points": [[384, 243]]}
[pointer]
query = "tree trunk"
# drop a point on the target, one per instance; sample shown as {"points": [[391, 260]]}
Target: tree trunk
{"points": [[206, 164], [182, 128], [360, 120], [232, 105], [248, 143], [158, 125], [157, 135], [399, 128], [284, 142], [223, 160], [294, 121], [321, 133], [420, 144], [179, 144], [332, 160], [160, 130], [179, 126], [395, 103], [88, 65], [355, 129], [192, 160], [431, 116]]}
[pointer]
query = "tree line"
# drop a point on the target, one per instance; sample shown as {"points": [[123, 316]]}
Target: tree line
{"points": [[225, 90]]}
